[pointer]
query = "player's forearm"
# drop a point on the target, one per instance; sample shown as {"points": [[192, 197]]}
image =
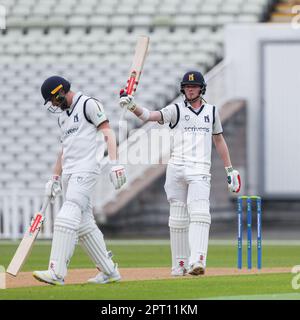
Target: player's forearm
{"points": [[112, 150], [138, 111], [110, 139], [150, 115], [222, 150], [57, 171]]}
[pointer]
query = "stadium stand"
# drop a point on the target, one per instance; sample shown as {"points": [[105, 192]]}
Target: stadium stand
{"points": [[91, 43]]}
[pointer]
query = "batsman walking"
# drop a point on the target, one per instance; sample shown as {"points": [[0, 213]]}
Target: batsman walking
{"points": [[187, 185], [75, 174]]}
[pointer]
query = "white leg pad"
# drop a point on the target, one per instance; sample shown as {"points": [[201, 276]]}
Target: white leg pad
{"points": [[64, 238], [92, 241], [198, 239], [200, 220], [179, 226], [199, 211]]}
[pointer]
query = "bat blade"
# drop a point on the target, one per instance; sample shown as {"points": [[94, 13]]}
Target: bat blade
{"points": [[136, 68], [22, 253], [135, 71], [27, 242]]}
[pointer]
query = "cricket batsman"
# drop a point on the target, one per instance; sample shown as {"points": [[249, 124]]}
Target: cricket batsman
{"points": [[75, 174], [195, 124]]}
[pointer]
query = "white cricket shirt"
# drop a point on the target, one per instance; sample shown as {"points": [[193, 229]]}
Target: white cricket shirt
{"points": [[78, 127], [192, 134]]}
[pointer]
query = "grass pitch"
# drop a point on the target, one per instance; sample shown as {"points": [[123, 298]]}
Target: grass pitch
{"points": [[157, 254]]}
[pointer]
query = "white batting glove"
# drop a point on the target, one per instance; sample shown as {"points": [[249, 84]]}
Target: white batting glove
{"points": [[233, 180], [117, 176], [53, 187], [127, 101]]}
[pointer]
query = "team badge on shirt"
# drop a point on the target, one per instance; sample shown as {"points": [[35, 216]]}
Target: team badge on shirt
{"points": [[100, 114]]}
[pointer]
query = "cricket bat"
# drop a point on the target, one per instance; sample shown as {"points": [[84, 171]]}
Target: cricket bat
{"points": [[26, 244], [136, 68]]}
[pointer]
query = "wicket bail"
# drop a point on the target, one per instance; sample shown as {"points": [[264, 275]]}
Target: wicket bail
{"points": [[249, 231]]}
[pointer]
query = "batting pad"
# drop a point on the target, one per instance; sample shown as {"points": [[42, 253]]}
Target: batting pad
{"points": [[64, 238], [198, 240], [179, 228], [92, 241], [199, 211], [63, 245]]}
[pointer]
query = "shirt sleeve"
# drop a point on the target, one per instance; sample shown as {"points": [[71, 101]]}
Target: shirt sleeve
{"points": [[217, 126], [168, 114], [95, 112]]}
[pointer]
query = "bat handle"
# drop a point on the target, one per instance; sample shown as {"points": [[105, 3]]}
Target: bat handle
{"points": [[123, 114], [46, 201], [122, 126]]}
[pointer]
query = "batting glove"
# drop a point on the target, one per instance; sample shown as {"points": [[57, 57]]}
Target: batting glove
{"points": [[53, 187], [233, 180], [117, 176], [127, 101]]}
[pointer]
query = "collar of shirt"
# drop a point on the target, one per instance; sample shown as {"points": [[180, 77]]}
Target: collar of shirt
{"points": [[188, 105], [74, 100]]}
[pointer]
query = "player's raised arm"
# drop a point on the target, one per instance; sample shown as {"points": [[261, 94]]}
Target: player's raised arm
{"points": [[127, 101]]}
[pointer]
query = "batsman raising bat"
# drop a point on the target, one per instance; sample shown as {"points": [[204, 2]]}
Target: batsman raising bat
{"points": [[75, 174], [187, 185]]}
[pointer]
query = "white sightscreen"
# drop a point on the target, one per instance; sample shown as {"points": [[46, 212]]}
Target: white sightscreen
{"points": [[281, 119]]}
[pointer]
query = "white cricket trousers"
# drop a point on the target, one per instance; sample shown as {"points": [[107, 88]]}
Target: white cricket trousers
{"points": [[75, 221], [188, 193]]}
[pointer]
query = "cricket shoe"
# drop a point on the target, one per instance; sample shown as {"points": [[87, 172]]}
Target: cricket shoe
{"points": [[178, 271], [196, 269], [102, 278], [49, 277]]}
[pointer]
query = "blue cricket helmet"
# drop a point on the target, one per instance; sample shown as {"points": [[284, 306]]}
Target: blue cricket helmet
{"points": [[52, 85], [193, 78]]}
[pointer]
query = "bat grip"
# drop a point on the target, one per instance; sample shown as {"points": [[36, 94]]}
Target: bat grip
{"points": [[46, 201], [123, 113]]}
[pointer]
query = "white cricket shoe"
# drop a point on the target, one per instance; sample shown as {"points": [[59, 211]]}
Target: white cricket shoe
{"points": [[178, 271], [49, 277], [102, 278], [196, 269]]}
